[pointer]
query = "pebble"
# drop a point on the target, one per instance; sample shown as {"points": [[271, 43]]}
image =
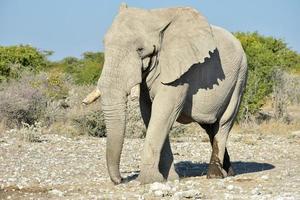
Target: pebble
{"points": [[186, 194], [159, 186], [160, 189], [265, 177], [158, 193], [56, 192], [76, 169], [255, 191], [230, 187]]}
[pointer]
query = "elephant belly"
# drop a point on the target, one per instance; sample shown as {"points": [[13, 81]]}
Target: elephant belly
{"points": [[210, 92], [184, 119], [208, 105]]}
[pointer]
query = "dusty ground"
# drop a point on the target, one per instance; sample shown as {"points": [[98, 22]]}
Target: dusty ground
{"points": [[267, 167]]}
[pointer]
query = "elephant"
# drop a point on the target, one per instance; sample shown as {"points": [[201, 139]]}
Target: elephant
{"points": [[182, 69]]}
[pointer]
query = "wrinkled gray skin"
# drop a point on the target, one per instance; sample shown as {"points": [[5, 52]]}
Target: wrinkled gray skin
{"points": [[187, 70]]}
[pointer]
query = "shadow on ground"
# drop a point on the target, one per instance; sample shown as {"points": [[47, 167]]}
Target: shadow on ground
{"points": [[190, 169]]}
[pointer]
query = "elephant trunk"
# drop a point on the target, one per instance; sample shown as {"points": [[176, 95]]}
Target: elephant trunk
{"points": [[113, 103], [115, 126], [115, 83]]}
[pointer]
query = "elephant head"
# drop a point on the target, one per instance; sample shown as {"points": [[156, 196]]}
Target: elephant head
{"points": [[175, 38]]}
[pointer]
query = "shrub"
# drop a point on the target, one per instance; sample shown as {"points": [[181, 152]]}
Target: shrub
{"points": [[89, 73], [91, 124], [70, 116], [29, 133], [286, 91], [56, 85], [13, 59], [135, 127], [20, 102], [25, 100], [84, 71], [264, 55]]}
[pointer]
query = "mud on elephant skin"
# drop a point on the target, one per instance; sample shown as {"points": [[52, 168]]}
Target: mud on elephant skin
{"points": [[181, 68]]}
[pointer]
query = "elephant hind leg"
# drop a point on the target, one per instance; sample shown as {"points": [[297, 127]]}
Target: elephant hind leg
{"points": [[219, 161], [219, 165]]}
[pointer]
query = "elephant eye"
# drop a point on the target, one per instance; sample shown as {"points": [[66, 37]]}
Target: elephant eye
{"points": [[140, 51]]}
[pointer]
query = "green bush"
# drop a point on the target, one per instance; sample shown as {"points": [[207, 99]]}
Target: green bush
{"points": [[88, 74], [91, 124], [83, 71], [264, 55], [14, 59]]}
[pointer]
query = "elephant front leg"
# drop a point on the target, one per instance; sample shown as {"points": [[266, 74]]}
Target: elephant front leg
{"points": [[157, 158], [227, 164], [166, 163]]}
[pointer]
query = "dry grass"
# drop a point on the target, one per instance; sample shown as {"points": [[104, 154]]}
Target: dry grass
{"points": [[21, 102], [55, 102]]}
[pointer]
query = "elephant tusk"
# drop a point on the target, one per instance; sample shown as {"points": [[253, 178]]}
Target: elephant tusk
{"points": [[95, 94], [135, 92]]}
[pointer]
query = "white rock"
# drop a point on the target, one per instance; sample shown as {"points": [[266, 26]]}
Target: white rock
{"points": [[230, 187], [140, 197], [159, 186], [255, 191], [265, 177], [158, 193], [228, 196], [185, 194], [57, 192]]}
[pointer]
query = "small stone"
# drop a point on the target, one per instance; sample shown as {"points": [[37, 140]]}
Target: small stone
{"points": [[228, 196], [140, 197], [255, 191], [159, 186], [160, 189], [230, 187], [158, 193], [265, 177], [57, 192], [186, 194]]}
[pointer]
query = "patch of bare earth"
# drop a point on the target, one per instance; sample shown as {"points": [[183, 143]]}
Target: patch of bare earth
{"points": [[59, 167]]}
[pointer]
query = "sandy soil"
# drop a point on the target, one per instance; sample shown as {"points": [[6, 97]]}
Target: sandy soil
{"points": [[60, 167]]}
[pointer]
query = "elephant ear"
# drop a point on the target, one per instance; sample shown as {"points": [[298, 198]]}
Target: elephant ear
{"points": [[186, 40]]}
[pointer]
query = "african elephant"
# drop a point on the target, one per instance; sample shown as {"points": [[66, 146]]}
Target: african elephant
{"points": [[184, 69]]}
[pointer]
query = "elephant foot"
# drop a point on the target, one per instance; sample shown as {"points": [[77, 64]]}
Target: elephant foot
{"points": [[116, 179], [230, 171], [150, 177], [173, 175], [169, 173], [215, 171]]}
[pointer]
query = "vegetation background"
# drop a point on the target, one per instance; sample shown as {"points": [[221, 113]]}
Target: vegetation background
{"points": [[39, 96]]}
